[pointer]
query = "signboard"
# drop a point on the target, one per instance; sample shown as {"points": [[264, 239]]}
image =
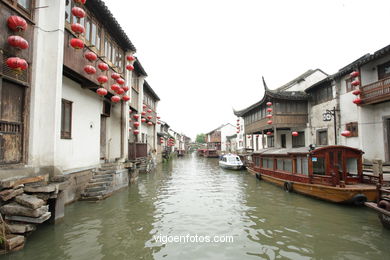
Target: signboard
{"points": [[327, 116]]}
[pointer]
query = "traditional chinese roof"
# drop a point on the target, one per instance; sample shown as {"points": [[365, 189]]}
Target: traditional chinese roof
{"points": [[221, 126], [139, 69], [361, 61], [99, 8], [283, 151], [299, 79], [151, 91], [273, 94], [326, 80]]}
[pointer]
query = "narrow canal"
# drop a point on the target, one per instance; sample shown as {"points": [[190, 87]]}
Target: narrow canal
{"points": [[193, 197]]}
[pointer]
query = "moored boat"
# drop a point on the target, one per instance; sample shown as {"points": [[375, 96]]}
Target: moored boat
{"points": [[332, 173], [382, 207], [210, 153], [231, 161]]}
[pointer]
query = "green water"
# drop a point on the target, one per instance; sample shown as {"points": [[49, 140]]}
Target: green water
{"points": [[193, 196]]}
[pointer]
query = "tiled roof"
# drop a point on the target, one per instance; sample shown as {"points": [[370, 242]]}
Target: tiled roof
{"points": [[99, 8], [151, 91]]}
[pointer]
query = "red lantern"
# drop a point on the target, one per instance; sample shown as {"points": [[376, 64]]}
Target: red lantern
{"points": [[103, 66], [268, 116], [136, 124], [120, 81], [136, 132], [130, 58], [125, 88], [115, 99], [17, 42], [150, 123], [269, 104], [135, 116], [238, 128], [257, 136], [158, 117], [249, 137], [130, 67], [115, 76], [144, 106], [17, 23], [23, 44], [143, 120], [91, 56], [269, 133], [16, 63], [149, 110], [346, 133], [126, 98], [77, 43], [294, 133], [238, 132], [90, 69], [269, 122], [356, 92], [101, 91], [357, 101], [77, 28], [102, 79], [23, 65], [149, 117], [238, 120], [143, 113], [354, 74], [78, 12], [120, 91], [81, 1], [158, 122], [269, 110], [355, 83], [115, 87]]}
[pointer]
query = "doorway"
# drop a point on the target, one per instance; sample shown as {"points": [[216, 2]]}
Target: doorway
{"points": [[103, 137], [283, 140]]}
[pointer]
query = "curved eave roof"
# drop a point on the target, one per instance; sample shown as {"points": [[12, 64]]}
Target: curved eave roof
{"points": [[272, 94], [99, 8]]}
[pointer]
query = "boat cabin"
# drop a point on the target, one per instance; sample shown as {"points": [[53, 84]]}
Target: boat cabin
{"points": [[330, 165], [211, 153]]}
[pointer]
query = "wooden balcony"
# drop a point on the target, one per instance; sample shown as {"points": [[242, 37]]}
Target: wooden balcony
{"points": [[139, 151], [376, 92], [279, 121]]}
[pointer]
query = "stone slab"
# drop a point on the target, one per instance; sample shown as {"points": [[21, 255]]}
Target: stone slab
{"points": [[6, 195], [14, 241], [15, 209], [29, 201], [15, 181], [39, 220], [42, 189], [20, 228]]}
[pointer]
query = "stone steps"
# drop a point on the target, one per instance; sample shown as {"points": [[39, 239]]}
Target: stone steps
{"points": [[100, 185]]}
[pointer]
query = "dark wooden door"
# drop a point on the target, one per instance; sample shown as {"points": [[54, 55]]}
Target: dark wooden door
{"points": [[11, 122], [387, 131], [283, 140], [103, 137]]}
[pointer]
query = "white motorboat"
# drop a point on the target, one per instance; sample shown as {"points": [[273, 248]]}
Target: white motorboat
{"points": [[231, 161]]}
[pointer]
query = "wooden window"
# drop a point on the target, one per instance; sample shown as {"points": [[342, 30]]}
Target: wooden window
{"points": [[93, 34], [270, 141], [302, 166], [88, 30], [98, 39], [68, 14], [26, 4], [298, 141], [348, 85], [318, 165], [384, 70], [66, 119], [353, 128], [322, 137]]}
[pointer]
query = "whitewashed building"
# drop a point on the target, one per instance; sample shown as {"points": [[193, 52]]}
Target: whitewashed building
{"points": [[217, 138]]}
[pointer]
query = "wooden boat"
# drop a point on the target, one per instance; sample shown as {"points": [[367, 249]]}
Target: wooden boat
{"points": [[382, 207], [211, 153], [230, 161], [332, 173], [200, 152]]}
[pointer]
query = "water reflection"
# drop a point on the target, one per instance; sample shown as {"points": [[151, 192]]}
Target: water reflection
{"points": [[194, 196]]}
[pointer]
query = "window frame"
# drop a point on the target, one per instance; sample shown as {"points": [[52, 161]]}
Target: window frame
{"points": [[318, 136], [66, 134], [353, 127]]}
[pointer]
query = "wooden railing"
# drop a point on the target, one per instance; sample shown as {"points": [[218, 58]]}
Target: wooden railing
{"points": [[376, 92], [141, 150]]}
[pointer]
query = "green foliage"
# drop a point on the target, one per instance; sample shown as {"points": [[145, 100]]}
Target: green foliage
{"points": [[200, 138]]}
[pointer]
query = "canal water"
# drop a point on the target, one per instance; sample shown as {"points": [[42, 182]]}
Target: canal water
{"points": [[196, 201]]}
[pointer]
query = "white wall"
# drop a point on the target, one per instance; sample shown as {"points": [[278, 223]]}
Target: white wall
{"points": [[309, 81], [227, 130], [316, 122], [83, 149], [113, 134]]}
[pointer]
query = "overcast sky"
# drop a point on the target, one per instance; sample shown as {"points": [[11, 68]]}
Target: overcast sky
{"points": [[204, 57]]}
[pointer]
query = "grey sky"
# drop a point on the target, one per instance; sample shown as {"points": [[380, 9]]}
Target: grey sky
{"points": [[204, 57]]}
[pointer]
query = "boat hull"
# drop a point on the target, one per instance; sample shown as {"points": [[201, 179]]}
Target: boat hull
{"points": [[231, 167], [383, 214], [349, 194]]}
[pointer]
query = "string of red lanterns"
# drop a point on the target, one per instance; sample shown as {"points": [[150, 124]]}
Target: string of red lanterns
{"points": [[356, 83], [19, 25]]}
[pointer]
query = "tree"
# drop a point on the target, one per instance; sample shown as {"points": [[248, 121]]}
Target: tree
{"points": [[200, 138]]}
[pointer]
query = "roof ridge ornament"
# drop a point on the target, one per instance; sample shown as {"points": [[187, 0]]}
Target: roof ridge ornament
{"points": [[264, 84]]}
